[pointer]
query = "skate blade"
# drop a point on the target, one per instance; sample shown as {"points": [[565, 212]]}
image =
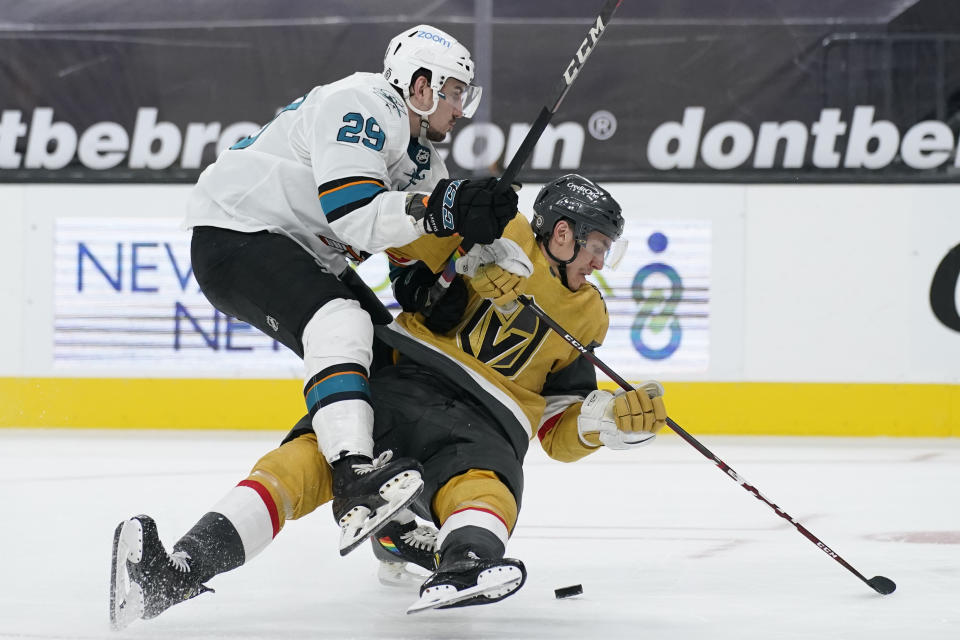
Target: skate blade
{"points": [[494, 583], [361, 523], [126, 598], [399, 574]]}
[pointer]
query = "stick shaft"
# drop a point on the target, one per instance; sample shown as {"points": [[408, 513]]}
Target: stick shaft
{"points": [[570, 73], [680, 431], [525, 149]]}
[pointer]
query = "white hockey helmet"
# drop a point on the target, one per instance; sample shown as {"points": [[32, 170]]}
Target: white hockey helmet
{"points": [[426, 47]]}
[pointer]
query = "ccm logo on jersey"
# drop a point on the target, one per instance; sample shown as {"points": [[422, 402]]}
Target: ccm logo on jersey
{"points": [[448, 197], [434, 37]]}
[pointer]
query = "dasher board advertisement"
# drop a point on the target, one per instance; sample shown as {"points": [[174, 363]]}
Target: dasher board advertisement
{"points": [[817, 91]]}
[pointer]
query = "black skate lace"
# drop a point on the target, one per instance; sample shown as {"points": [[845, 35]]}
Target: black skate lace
{"points": [[421, 538], [180, 561], [364, 468]]}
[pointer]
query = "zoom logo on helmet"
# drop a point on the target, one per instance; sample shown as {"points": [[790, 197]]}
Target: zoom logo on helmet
{"points": [[436, 38]]}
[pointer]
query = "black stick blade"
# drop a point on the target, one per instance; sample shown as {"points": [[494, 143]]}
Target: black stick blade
{"points": [[882, 585]]}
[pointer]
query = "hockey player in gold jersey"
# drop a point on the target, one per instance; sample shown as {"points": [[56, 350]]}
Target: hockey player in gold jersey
{"points": [[474, 394], [466, 384]]}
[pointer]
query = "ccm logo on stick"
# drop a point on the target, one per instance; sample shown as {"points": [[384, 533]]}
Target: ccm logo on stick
{"points": [[585, 48]]}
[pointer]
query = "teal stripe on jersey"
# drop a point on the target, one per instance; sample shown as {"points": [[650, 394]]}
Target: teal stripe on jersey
{"points": [[344, 196]]}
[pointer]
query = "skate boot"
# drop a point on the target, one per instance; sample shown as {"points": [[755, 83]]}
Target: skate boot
{"points": [[145, 580], [465, 579], [367, 493], [402, 542]]}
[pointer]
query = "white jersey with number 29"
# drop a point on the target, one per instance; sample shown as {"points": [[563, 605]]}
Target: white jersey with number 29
{"points": [[329, 171]]}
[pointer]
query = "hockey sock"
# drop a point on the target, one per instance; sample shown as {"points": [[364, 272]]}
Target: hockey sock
{"points": [[338, 399], [236, 529], [475, 493], [336, 357], [214, 546]]}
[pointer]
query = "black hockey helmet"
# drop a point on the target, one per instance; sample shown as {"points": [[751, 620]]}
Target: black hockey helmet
{"points": [[582, 202]]}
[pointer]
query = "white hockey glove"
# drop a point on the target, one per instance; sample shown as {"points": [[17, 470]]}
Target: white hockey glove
{"points": [[498, 271], [627, 419], [503, 252]]}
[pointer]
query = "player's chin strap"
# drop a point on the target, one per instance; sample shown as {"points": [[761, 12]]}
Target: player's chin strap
{"points": [[424, 123], [562, 263]]}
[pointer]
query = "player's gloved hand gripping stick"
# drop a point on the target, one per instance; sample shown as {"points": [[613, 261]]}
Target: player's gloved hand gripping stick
{"points": [[506, 181], [880, 584], [473, 208], [597, 29]]}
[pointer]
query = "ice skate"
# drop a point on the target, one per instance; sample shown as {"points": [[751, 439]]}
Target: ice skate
{"points": [[401, 544], [369, 493], [470, 580], [145, 580]]}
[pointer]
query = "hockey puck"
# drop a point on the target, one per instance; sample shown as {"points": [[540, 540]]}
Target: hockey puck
{"points": [[568, 592]]}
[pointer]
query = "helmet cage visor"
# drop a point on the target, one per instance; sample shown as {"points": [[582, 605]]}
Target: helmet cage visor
{"points": [[467, 100], [610, 254], [586, 218]]}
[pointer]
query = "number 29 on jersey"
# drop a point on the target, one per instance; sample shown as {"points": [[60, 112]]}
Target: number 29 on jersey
{"points": [[366, 131]]}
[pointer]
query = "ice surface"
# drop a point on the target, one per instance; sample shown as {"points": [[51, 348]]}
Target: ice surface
{"points": [[665, 546]]}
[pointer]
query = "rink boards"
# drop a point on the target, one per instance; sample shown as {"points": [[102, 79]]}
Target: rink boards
{"points": [[815, 309], [909, 410]]}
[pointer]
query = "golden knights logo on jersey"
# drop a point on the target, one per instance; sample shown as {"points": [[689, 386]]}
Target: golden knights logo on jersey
{"points": [[503, 341]]}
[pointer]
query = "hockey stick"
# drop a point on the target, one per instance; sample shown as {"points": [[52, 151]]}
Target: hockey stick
{"points": [[570, 73], [586, 47], [880, 584]]}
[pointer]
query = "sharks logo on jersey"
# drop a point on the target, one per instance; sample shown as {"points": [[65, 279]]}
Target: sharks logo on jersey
{"points": [[392, 100]]}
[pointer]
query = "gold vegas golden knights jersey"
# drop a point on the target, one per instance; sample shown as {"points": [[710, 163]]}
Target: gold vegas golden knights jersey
{"points": [[529, 377]]}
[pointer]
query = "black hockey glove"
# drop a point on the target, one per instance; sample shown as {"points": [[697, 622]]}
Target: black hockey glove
{"points": [[415, 290], [471, 208], [447, 312], [412, 286]]}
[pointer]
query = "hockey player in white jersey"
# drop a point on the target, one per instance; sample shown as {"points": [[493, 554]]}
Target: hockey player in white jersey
{"points": [[340, 173]]}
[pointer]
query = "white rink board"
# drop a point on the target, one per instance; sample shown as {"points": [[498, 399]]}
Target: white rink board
{"points": [[658, 299], [126, 303], [803, 283]]}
